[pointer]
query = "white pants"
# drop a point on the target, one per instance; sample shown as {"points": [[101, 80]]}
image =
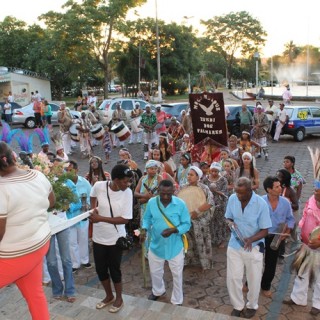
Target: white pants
{"points": [[79, 244], [299, 294], [156, 266], [136, 137], [149, 140], [278, 131], [66, 141], [85, 146], [237, 262]]}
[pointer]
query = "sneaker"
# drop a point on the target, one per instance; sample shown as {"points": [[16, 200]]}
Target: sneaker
{"points": [[87, 265], [236, 313], [155, 298], [314, 311], [259, 155], [74, 270], [266, 157], [249, 313]]}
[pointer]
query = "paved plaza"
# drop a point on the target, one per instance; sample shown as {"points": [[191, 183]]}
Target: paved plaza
{"points": [[205, 293]]}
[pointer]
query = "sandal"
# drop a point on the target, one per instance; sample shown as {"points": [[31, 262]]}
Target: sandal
{"points": [[58, 297], [102, 304], [71, 299], [114, 309]]}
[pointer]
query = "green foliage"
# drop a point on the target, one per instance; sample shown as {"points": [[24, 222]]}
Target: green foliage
{"points": [[64, 195]]}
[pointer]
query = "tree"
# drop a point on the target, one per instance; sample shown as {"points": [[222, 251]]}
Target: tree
{"points": [[96, 23], [13, 42], [179, 51], [234, 34], [291, 52]]}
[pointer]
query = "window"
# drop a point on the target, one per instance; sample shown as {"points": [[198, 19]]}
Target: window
{"points": [[315, 112]]}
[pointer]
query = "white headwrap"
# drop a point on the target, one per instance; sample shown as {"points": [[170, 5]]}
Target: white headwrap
{"points": [[216, 165], [197, 170], [247, 154]]}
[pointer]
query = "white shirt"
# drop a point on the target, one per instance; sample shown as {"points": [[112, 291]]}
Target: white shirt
{"points": [[24, 203], [274, 109], [92, 100], [10, 98], [7, 108], [282, 115], [121, 203]]}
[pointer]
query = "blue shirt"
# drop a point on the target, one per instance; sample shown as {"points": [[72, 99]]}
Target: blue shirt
{"points": [[178, 214], [251, 220], [282, 214]]}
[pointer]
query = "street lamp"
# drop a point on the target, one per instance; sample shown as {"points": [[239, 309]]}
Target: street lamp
{"points": [[158, 56], [257, 56]]}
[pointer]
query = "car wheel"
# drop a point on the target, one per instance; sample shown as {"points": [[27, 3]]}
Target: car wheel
{"points": [[299, 135], [30, 123]]}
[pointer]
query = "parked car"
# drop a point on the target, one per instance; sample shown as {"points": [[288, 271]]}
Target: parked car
{"points": [[233, 120], [303, 120], [105, 104], [14, 106], [26, 117], [174, 110], [128, 105]]}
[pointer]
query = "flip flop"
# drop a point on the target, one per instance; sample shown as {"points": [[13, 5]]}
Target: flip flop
{"points": [[71, 299], [114, 309], [102, 304]]}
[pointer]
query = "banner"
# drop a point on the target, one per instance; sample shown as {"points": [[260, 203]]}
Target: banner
{"points": [[208, 117]]}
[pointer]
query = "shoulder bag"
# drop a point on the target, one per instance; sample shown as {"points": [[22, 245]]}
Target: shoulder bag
{"points": [[123, 243]]}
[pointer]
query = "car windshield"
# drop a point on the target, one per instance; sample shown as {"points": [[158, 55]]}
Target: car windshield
{"points": [[289, 112]]}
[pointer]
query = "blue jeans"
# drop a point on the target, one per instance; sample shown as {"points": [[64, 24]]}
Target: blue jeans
{"points": [[52, 263]]}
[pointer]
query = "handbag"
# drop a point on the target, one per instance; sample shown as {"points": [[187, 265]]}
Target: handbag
{"points": [[123, 243]]}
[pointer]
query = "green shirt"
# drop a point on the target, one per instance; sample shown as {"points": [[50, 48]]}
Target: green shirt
{"points": [[245, 117], [148, 119]]}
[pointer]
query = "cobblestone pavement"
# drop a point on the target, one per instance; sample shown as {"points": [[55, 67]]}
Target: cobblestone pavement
{"points": [[203, 291]]}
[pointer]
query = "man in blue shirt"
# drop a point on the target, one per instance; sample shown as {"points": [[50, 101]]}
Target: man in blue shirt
{"points": [[79, 234], [249, 213], [168, 218], [282, 222]]}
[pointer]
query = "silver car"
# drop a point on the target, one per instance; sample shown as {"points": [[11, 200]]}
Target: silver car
{"points": [[25, 115]]}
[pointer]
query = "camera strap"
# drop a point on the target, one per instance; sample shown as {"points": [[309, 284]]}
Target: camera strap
{"points": [[107, 185]]}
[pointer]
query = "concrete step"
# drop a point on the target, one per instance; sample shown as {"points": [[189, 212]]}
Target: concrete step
{"points": [[13, 307]]}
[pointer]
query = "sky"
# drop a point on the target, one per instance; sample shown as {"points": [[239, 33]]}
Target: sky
{"points": [[284, 21]]}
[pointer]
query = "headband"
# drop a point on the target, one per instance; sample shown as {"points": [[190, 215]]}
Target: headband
{"points": [[197, 170]]}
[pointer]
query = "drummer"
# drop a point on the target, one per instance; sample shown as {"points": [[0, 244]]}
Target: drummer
{"points": [[84, 126], [117, 116], [136, 136], [148, 122]]}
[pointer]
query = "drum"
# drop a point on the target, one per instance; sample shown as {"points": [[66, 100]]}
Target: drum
{"points": [[193, 196], [74, 133], [134, 124], [121, 131], [97, 131]]}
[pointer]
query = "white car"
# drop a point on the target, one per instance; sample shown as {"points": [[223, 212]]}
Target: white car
{"points": [[26, 117], [127, 104]]}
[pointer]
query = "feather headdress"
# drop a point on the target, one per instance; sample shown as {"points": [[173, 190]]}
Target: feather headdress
{"points": [[315, 158], [43, 135], [8, 134], [25, 142]]}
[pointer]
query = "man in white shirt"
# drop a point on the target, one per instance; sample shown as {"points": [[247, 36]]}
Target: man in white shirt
{"points": [[287, 96], [92, 100], [282, 118], [271, 112], [10, 97]]}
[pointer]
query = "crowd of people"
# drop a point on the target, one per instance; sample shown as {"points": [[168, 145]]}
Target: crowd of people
{"points": [[184, 202]]}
